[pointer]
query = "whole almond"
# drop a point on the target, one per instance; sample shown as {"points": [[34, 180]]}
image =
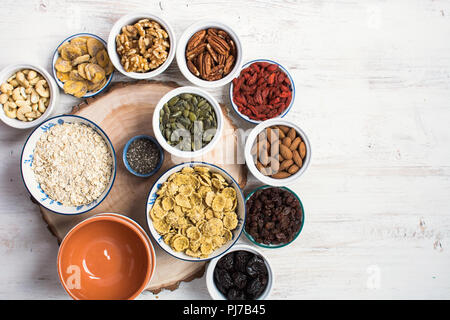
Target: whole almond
{"points": [[285, 129], [280, 175], [286, 164], [285, 152], [292, 134], [302, 150], [287, 141], [293, 169], [295, 143], [297, 159]]}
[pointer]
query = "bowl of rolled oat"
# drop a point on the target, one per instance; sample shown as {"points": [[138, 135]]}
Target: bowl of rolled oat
{"points": [[68, 164], [141, 45]]}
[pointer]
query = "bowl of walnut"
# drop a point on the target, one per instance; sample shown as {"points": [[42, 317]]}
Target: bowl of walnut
{"points": [[141, 45], [81, 65], [209, 54], [28, 95]]}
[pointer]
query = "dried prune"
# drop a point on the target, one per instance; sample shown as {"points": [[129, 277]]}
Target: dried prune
{"points": [[235, 294], [255, 267], [226, 262], [239, 279], [223, 277], [240, 260], [255, 288], [237, 283]]}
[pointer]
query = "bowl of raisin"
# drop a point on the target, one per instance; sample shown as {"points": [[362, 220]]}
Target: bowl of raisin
{"points": [[243, 273], [275, 216]]}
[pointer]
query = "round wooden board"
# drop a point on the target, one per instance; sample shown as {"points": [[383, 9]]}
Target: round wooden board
{"points": [[124, 111]]}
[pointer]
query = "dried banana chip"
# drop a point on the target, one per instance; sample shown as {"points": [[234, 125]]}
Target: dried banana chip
{"points": [[62, 65], [75, 88], [102, 58], [63, 76], [70, 52], [94, 46]]}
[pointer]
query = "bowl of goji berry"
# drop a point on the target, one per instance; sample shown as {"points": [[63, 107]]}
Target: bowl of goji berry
{"points": [[263, 90]]}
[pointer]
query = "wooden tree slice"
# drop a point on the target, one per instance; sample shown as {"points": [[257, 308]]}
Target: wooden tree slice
{"points": [[125, 111]]}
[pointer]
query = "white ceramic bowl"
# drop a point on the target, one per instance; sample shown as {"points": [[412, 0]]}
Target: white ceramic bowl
{"points": [[292, 87], [181, 53], [249, 159], [7, 72], [56, 56], [131, 19], [216, 294], [28, 176], [162, 140], [240, 211]]}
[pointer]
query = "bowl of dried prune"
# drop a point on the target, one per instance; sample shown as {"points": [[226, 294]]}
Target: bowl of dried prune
{"points": [[243, 273], [275, 216]]}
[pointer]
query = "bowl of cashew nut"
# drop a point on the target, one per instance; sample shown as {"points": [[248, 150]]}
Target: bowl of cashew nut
{"points": [[28, 95]]}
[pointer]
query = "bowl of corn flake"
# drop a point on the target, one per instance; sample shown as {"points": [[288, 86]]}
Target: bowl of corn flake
{"points": [[195, 211]]}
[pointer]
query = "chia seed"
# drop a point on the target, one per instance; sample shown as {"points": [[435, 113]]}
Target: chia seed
{"points": [[143, 155]]}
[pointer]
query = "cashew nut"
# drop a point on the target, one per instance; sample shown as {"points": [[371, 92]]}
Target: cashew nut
{"points": [[41, 106], [25, 95], [3, 98], [22, 111], [10, 110], [31, 75], [6, 88], [41, 88]]}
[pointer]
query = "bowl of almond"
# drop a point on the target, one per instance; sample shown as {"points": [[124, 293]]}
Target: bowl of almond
{"points": [[209, 54], [277, 152], [141, 45]]}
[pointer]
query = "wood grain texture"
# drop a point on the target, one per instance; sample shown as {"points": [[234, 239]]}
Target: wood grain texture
{"points": [[372, 81], [124, 111]]}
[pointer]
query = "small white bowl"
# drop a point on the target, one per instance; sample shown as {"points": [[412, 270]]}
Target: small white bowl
{"points": [[181, 53], [56, 56], [29, 178], [54, 95], [240, 210], [216, 294], [163, 142], [249, 158], [131, 19]]}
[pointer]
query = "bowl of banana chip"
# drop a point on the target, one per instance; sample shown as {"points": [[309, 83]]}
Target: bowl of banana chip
{"points": [[81, 65], [195, 211]]}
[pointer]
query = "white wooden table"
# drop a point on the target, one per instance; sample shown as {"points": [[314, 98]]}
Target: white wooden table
{"points": [[372, 80]]}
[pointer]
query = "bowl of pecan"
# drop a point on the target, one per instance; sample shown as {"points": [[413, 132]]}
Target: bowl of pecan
{"points": [[141, 45], [263, 90], [277, 152], [209, 54], [275, 216]]}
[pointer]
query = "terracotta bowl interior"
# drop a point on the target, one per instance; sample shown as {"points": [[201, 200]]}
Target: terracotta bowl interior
{"points": [[112, 257]]}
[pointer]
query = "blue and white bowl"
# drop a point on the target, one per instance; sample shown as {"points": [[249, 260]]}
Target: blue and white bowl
{"points": [[56, 55], [29, 178], [285, 112], [240, 211]]}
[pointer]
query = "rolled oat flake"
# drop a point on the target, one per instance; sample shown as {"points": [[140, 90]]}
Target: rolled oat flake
{"points": [[143, 155]]}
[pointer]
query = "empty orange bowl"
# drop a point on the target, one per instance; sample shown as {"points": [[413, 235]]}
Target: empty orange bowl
{"points": [[106, 257]]}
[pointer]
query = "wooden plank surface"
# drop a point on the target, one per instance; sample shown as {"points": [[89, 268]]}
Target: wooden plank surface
{"points": [[372, 80]]}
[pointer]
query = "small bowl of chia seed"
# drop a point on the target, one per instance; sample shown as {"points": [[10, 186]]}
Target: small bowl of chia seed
{"points": [[143, 156]]}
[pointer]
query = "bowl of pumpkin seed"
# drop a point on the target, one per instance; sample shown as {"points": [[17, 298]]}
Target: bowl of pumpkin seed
{"points": [[187, 122]]}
